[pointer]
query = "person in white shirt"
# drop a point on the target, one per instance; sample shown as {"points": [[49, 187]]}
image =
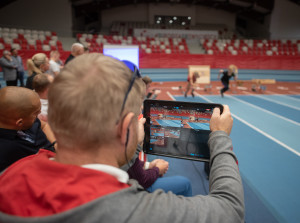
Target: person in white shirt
{"points": [[54, 66], [41, 84]]}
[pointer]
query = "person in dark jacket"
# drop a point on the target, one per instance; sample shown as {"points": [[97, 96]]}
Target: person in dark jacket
{"points": [[21, 132], [77, 49]]}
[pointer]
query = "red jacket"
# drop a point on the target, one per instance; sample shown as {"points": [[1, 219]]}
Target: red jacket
{"points": [[37, 186]]}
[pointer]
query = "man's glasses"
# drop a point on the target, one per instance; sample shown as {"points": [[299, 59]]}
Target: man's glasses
{"points": [[136, 73]]}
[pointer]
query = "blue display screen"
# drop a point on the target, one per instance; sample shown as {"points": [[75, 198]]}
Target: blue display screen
{"points": [[120, 52]]}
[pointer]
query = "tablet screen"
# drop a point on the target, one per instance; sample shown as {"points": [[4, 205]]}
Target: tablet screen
{"points": [[177, 129]]}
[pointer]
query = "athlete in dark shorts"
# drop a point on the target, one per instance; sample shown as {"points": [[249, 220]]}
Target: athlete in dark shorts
{"points": [[227, 75]]}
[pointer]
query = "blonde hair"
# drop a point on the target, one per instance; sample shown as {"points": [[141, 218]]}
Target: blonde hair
{"points": [[233, 69], [32, 68], [85, 100], [53, 53], [39, 59]]}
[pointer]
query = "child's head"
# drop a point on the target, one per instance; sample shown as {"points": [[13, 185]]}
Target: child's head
{"points": [[147, 80], [41, 83]]}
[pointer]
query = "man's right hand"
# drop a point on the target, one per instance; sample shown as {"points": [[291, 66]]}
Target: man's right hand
{"points": [[221, 122]]}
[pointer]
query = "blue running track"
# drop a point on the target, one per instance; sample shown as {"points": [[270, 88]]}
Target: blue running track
{"points": [[202, 126], [169, 123], [266, 141]]}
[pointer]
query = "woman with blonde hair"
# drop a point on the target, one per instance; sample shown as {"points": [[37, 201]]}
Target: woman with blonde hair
{"points": [[37, 65], [31, 68], [227, 75]]}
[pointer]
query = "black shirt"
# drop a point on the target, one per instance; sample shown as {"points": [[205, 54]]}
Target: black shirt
{"points": [[15, 145], [30, 81], [226, 77], [71, 57]]}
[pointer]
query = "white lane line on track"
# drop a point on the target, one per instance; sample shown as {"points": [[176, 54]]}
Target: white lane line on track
{"points": [[277, 102], [287, 96], [171, 96], [257, 129], [264, 110]]}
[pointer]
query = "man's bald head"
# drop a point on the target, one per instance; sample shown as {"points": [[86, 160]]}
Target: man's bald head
{"points": [[17, 103]]}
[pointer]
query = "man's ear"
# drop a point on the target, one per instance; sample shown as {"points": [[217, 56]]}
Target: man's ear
{"points": [[19, 123], [124, 127]]}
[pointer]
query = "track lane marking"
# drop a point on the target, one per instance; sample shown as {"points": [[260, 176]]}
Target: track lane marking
{"points": [[264, 110], [257, 129]]}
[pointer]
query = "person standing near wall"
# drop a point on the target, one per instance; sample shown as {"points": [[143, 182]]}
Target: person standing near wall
{"points": [[9, 69], [20, 69]]}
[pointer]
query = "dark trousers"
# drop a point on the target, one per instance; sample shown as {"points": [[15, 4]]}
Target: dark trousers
{"points": [[226, 87], [21, 78], [12, 83]]}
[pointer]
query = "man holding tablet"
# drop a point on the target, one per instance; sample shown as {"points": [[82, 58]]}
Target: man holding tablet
{"points": [[96, 127]]}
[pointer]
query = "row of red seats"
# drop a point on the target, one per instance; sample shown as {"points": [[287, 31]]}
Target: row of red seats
{"points": [[146, 44], [24, 45]]}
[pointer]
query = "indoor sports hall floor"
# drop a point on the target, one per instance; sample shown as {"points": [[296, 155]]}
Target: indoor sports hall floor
{"points": [[265, 134]]}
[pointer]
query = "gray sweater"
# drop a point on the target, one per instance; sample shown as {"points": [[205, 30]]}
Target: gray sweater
{"points": [[9, 69], [225, 202]]}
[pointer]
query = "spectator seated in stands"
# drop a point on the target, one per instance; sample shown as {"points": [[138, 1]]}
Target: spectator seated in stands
{"points": [[54, 67], [41, 84], [96, 135], [21, 132], [31, 68], [77, 49], [149, 175], [86, 50], [41, 65]]}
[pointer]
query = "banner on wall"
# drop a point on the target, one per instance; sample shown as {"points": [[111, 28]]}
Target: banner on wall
{"points": [[200, 73], [176, 33]]}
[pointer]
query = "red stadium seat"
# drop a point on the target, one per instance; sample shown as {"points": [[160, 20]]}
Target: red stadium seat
{"points": [[31, 47], [39, 47]]}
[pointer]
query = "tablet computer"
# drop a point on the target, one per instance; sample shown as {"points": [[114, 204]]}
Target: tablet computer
{"points": [[178, 129]]}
